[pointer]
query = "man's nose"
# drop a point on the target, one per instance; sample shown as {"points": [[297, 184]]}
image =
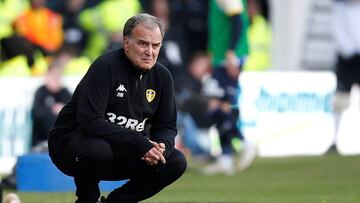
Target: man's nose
{"points": [[148, 49]]}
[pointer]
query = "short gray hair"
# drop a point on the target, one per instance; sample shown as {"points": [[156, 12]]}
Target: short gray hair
{"points": [[148, 20]]}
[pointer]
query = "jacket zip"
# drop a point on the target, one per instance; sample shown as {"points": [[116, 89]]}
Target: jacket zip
{"points": [[138, 80]]}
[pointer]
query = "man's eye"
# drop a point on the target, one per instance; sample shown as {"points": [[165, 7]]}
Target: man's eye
{"points": [[143, 44]]}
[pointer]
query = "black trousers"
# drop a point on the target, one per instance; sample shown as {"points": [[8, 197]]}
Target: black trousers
{"points": [[347, 72], [90, 160]]}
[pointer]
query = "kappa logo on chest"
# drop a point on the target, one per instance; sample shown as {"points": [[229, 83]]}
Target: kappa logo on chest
{"points": [[120, 91]]}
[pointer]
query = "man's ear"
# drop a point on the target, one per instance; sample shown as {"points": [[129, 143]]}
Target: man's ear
{"points": [[126, 43]]}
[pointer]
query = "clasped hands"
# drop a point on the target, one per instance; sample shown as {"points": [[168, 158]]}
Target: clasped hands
{"points": [[155, 154]]}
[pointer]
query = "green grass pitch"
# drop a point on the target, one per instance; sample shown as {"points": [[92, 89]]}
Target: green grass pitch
{"points": [[325, 179]]}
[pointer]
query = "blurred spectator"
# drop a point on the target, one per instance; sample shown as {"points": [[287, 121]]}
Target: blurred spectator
{"points": [[104, 22], [58, 5], [17, 56], [263, 8], [347, 35], [259, 35], [228, 23], [173, 46], [190, 17], [74, 35], [9, 10], [48, 101], [75, 38], [204, 105], [228, 44], [193, 105], [194, 100], [41, 26], [196, 29], [77, 64]]}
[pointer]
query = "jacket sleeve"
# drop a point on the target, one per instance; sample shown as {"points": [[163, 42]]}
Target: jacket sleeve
{"points": [[236, 30], [163, 124], [93, 96]]}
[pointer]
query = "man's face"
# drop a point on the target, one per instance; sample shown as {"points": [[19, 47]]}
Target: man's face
{"points": [[143, 46]]}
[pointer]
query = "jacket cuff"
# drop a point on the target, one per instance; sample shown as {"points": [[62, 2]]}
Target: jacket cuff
{"points": [[142, 145]]}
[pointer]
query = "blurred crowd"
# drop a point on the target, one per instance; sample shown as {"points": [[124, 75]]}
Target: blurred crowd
{"points": [[34, 32]]}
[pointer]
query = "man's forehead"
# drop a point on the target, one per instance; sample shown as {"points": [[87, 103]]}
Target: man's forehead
{"points": [[147, 36], [143, 29]]}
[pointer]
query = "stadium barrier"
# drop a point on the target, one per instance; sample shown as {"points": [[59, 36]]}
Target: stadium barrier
{"points": [[36, 173], [288, 113]]}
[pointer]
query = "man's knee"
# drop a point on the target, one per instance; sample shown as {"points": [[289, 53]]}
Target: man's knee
{"points": [[177, 162], [99, 153]]}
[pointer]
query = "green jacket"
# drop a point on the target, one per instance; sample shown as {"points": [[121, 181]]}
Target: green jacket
{"points": [[220, 32]]}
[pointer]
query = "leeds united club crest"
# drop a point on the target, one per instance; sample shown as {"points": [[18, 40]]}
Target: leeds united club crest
{"points": [[150, 95]]}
